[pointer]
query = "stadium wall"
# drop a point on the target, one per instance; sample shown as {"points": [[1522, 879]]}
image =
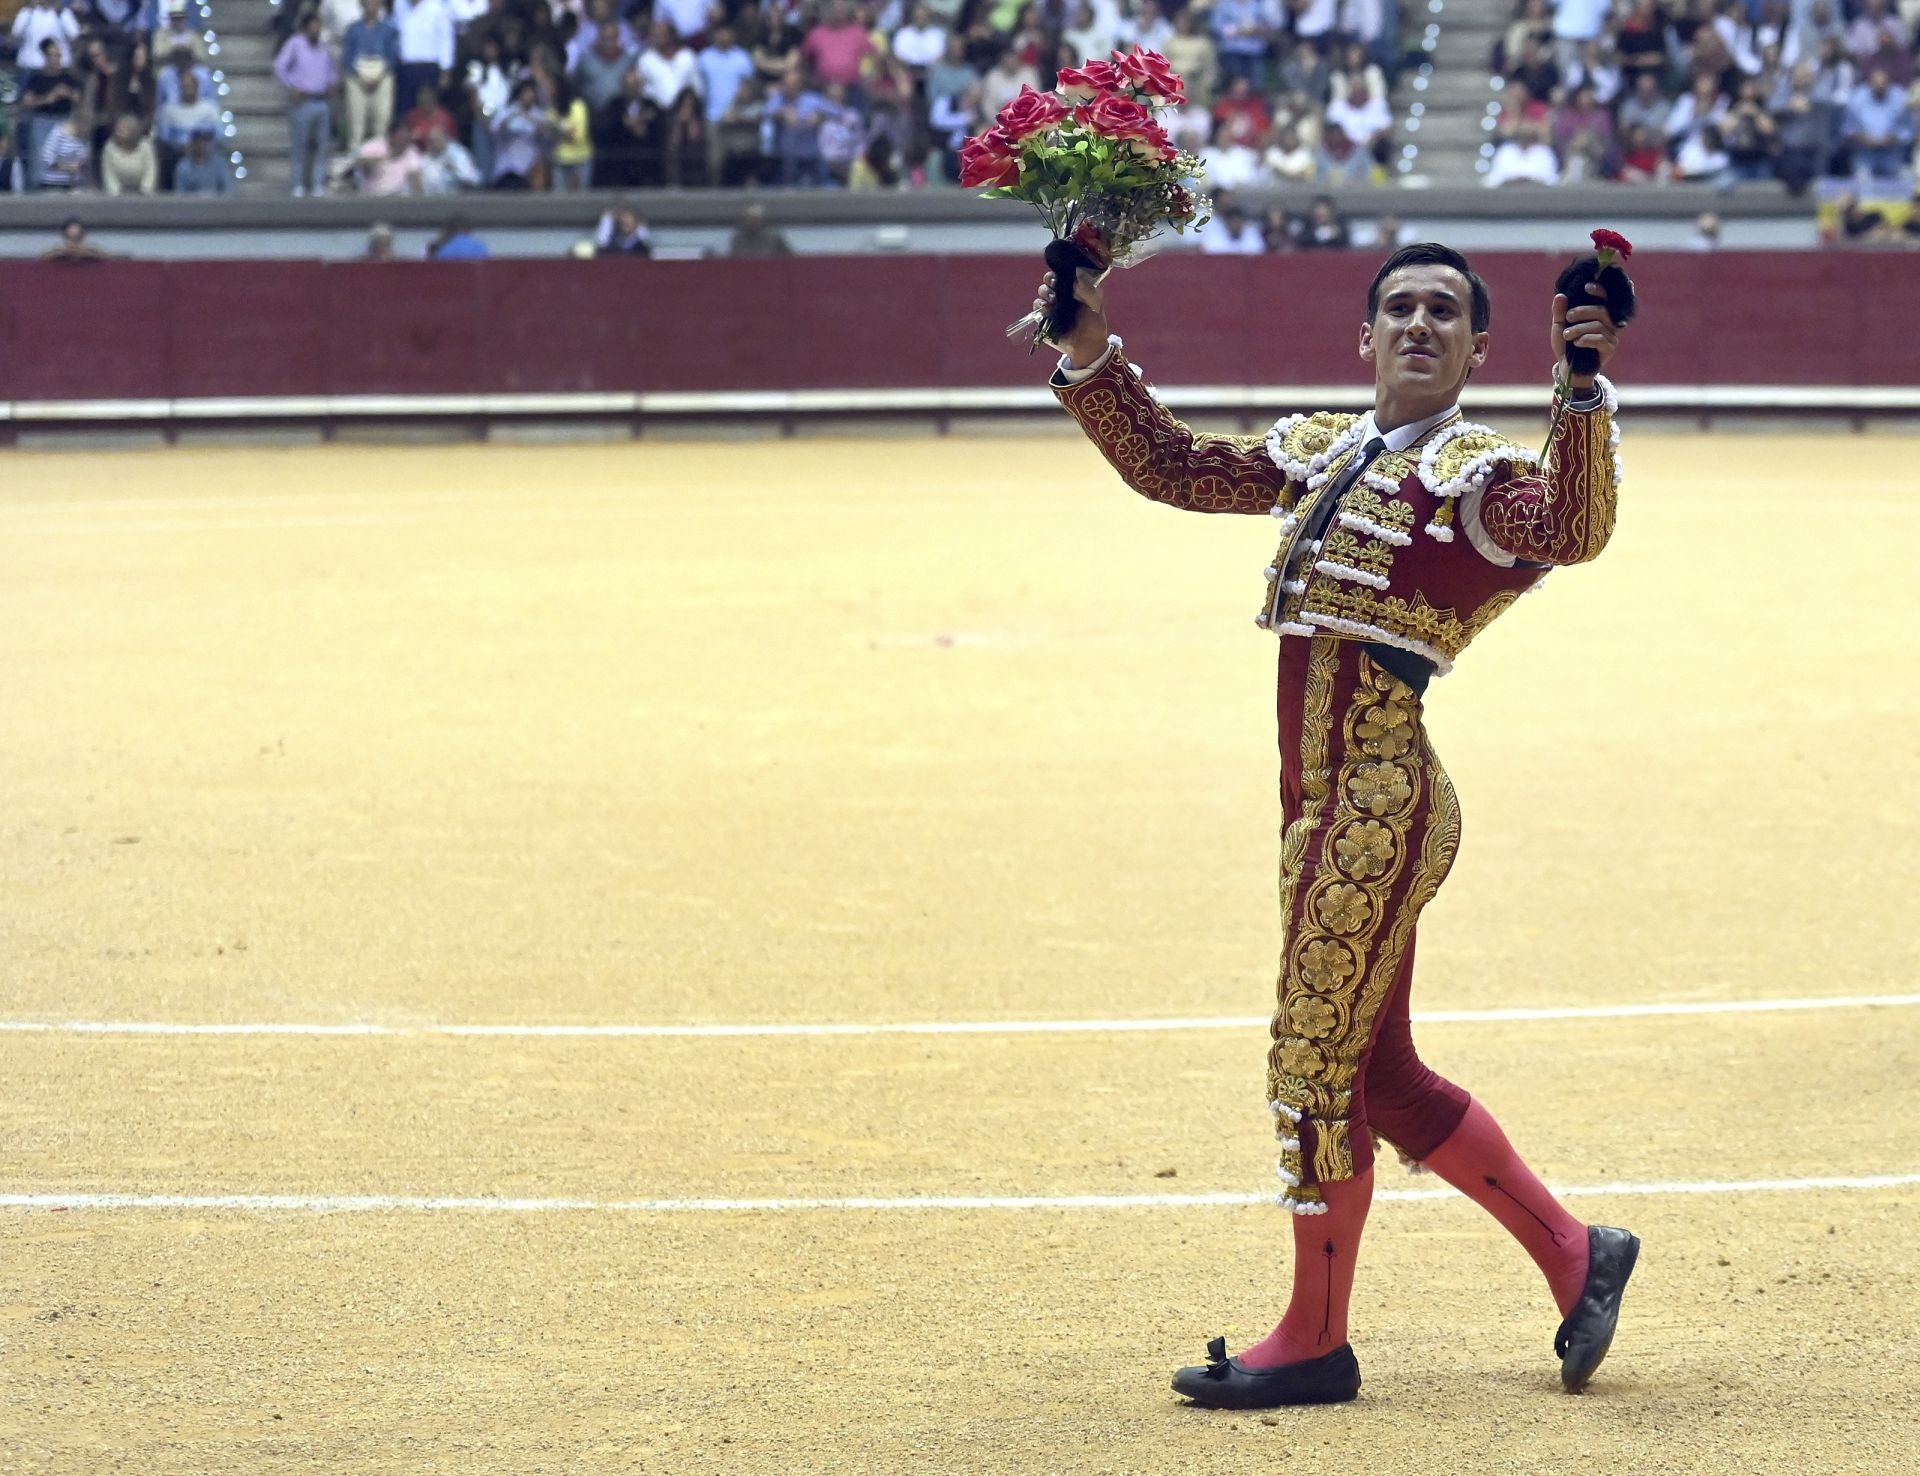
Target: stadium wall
{"points": [[249, 340]]}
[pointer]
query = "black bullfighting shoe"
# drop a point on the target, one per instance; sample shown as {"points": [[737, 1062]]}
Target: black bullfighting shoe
{"points": [[1224, 1384], [1587, 1332]]}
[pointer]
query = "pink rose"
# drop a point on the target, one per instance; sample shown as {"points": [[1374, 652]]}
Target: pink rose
{"points": [[1084, 84], [1029, 113], [1152, 74], [1118, 117], [989, 161]]}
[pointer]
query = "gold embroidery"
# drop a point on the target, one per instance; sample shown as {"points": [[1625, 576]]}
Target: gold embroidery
{"points": [[1440, 629], [1344, 546], [1473, 443], [1563, 514], [1309, 438], [1388, 512]]}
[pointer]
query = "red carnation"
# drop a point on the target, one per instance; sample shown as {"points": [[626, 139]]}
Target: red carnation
{"points": [[1152, 74], [1084, 84], [1612, 241], [1029, 113], [1118, 117], [989, 161]]}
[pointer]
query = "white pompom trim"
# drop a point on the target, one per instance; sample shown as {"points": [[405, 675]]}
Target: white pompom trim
{"points": [[1302, 1206], [1372, 529], [1439, 534], [1342, 626], [1281, 1109], [1351, 574]]}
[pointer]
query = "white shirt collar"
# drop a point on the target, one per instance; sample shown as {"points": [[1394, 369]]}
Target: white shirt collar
{"points": [[1401, 437]]}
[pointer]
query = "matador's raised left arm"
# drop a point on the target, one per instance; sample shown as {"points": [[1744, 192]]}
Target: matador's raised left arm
{"points": [[1561, 513]]}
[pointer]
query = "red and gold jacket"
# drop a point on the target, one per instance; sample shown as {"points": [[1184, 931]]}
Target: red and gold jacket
{"points": [[1389, 567]]}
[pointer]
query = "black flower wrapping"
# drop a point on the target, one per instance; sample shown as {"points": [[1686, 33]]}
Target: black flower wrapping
{"points": [[1619, 303], [1067, 260]]}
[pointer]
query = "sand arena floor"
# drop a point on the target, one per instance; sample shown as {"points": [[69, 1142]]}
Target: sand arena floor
{"points": [[879, 732]]}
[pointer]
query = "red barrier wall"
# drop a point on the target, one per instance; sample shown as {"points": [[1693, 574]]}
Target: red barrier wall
{"points": [[145, 330]]}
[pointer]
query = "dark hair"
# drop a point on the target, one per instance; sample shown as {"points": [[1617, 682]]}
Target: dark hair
{"points": [[1432, 253]]}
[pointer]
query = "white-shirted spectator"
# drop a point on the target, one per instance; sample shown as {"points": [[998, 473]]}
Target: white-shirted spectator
{"points": [[1701, 157], [1705, 106], [667, 68], [690, 19], [445, 167], [177, 33], [426, 47], [1231, 233], [64, 158], [1575, 21], [725, 66], [1363, 116], [920, 43], [1287, 157], [1526, 158], [1315, 20], [1363, 20], [1147, 26], [128, 164], [1091, 33], [44, 22], [1002, 84], [1233, 163]]}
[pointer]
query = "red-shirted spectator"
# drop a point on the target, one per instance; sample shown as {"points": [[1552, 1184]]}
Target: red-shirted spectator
{"points": [[1242, 101], [838, 47], [426, 116]]}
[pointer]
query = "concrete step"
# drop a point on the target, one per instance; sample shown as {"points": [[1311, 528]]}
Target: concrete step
{"points": [[252, 54]]}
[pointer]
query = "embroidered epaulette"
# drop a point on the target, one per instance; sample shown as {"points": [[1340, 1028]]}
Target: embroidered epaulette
{"points": [[1301, 445], [1460, 459]]}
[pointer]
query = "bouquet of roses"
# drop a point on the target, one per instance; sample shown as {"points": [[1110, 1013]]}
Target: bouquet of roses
{"points": [[1102, 171]]}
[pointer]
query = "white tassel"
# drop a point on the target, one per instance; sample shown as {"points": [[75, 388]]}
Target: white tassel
{"points": [[1439, 534]]}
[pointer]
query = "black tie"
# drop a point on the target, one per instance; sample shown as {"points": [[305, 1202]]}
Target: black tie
{"points": [[1329, 503]]}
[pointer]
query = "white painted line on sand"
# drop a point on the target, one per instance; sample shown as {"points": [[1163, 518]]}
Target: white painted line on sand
{"points": [[935, 1027], [389, 1203]]}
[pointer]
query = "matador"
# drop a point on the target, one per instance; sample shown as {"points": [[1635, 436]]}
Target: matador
{"points": [[1403, 533]]}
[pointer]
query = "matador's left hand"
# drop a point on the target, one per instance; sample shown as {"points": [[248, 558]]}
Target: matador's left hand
{"points": [[1588, 326]]}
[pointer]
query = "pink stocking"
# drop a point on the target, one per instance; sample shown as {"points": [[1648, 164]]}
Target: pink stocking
{"points": [[1325, 1248]]}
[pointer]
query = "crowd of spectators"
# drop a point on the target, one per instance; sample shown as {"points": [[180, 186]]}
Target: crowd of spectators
{"points": [[114, 95], [1726, 92], [435, 96]]}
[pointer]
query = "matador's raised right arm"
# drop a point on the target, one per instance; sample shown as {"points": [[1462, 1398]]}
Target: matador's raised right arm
{"points": [[1162, 459]]}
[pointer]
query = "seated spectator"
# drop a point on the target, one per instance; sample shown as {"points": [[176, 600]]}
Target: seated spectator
{"points": [[388, 166], [128, 165], [457, 243], [1362, 117], [1750, 136], [1230, 233], [1326, 228], [445, 167], [1576, 23], [1339, 160], [1525, 158], [1279, 231], [1645, 107], [1306, 72], [1287, 158], [74, 245], [1705, 106], [840, 48], [1243, 33], [1191, 52], [1232, 162], [203, 169], [1002, 84], [65, 159], [1582, 116], [1879, 128], [621, 232], [1535, 71], [1643, 157], [1533, 24], [1706, 232], [1877, 41], [1857, 222], [754, 237], [1088, 33], [1701, 158], [426, 115], [920, 43], [1596, 67], [522, 136], [177, 32], [1521, 108], [176, 123], [1241, 101], [379, 242], [1147, 26], [1354, 66], [1296, 111], [1642, 41]]}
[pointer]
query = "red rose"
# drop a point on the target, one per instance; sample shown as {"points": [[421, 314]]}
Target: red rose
{"points": [[1612, 241], [1118, 117], [1152, 74], [1029, 113], [1152, 143], [989, 161], [1084, 84]]}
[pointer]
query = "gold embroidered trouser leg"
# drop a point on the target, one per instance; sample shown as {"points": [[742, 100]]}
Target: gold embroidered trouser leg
{"points": [[1372, 826]]}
